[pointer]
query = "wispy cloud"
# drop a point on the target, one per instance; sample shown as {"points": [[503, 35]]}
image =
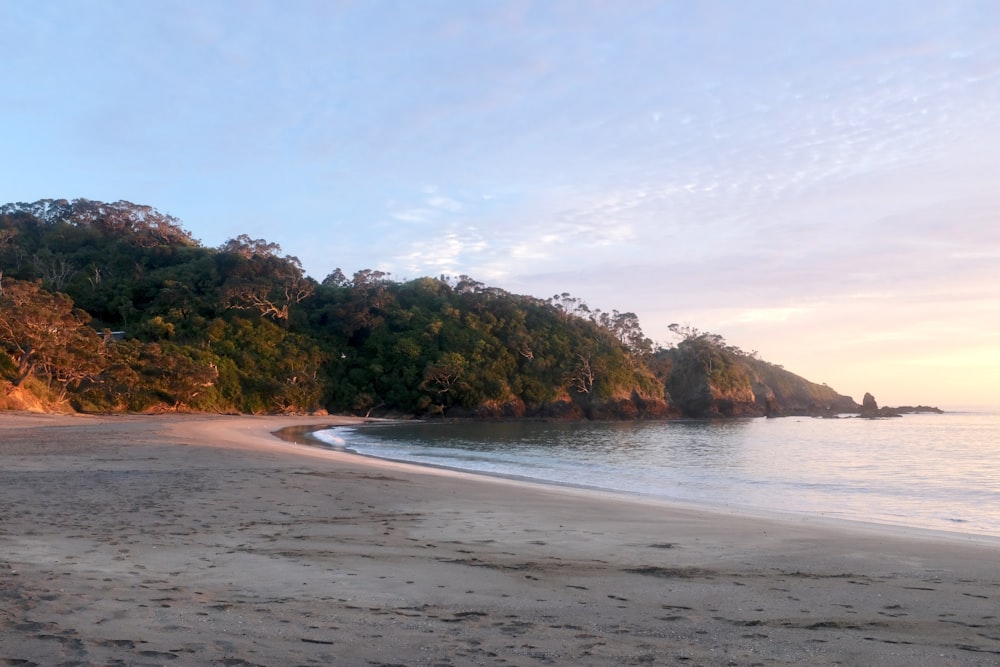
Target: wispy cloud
{"points": [[447, 252]]}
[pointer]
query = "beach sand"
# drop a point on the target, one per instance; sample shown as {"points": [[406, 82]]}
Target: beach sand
{"points": [[206, 540]]}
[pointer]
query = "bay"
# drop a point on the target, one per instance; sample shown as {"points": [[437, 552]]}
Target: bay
{"points": [[932, 471]]}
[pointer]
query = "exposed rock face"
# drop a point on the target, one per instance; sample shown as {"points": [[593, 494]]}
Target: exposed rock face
{"points": [[631, 407], [574, 407], [869, 407]]}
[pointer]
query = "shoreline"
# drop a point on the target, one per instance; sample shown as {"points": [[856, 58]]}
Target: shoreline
{"points": [[305, 433], [193, 540]]}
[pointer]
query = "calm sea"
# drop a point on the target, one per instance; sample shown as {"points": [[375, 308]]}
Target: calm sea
{"points": [[928, 471]]}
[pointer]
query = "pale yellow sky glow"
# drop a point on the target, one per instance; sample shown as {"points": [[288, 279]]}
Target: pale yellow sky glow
{"points": [[897, 356]]}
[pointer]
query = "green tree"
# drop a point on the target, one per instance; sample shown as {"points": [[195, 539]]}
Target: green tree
{"points": [[258, 278]]}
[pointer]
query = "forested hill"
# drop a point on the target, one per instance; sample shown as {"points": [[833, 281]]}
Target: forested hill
{"points": [[115, 307]]}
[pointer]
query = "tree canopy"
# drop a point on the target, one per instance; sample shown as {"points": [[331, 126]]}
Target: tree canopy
{"points": [[117, 307]]}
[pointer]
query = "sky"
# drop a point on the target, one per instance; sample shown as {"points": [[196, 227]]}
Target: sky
{"points": [[816, 181]]}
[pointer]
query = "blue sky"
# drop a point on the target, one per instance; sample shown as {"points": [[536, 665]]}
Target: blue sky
{"points": [[813, 180]]}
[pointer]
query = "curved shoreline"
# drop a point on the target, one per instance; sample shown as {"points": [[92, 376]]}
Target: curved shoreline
{"points": [[304, 435], [206, 539]]}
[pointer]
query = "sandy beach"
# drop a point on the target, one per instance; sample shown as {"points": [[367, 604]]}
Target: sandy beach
{"points": [[207, 540]]}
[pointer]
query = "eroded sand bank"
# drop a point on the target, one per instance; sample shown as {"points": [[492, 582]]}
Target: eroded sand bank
{"points": [[201, 540]]}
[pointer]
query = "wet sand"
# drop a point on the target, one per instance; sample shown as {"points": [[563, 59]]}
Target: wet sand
{"points": [[206, 540]]}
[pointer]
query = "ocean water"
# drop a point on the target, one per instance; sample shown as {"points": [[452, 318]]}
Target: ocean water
{"points": [[931, 471]]}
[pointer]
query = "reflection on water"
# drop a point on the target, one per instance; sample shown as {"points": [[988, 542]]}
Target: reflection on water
{"points": [[934, 471]]}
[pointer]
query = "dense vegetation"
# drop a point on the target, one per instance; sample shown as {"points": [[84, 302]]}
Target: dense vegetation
{"points": [[708, 377], [117, 307]]}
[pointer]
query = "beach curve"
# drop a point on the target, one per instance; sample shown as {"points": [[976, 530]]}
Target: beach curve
{"points": [[194, 539]]}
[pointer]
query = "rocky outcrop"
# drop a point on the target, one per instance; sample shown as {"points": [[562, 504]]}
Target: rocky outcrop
{"points": [[635, 406], [573, 406], [869, 407], [913, 409], [871, 410]]}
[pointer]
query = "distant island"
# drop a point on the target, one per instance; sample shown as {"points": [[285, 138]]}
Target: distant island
{"points": [[114, 307]]}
